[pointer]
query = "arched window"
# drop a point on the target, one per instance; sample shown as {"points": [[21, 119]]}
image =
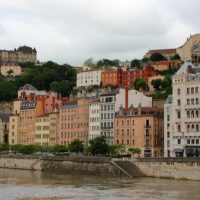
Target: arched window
{"points": [[188, 128], [197, 128]]}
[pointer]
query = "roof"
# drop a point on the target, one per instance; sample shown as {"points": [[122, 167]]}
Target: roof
{"points": [[161, 51], [28, 87], [4, 117], [185, 68], [26, 49]]}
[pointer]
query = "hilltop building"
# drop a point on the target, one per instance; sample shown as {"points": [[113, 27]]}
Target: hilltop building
{"points": [[21, 55]]}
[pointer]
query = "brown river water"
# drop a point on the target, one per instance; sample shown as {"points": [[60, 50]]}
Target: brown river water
{"points": [[32, 185]]}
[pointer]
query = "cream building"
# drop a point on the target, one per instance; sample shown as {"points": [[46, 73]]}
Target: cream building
{"points": [[94, 119], [88, 78], [184, 122], [14, 123], [135, 98], [42, 130], [185, 51], [10, 70]]}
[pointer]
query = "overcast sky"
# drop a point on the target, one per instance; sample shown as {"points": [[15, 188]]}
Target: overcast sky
{"points": [[70, 31]]}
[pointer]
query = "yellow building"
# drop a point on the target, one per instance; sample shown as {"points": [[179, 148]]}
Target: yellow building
{"points": [[46, 129]]}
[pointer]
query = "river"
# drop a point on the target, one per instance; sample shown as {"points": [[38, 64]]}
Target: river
{"points": [[33, 185]]}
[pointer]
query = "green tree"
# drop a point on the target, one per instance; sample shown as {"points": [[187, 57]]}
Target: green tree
{"points": [[58, 148], [176, 57], [136, 63], [89, 62], [10, 72], [116, 149], [141, 83], [76, 146], [135, 150], [157, 57], [156, 83], [166, 82], [4, 147], [98, 145], [55, 86]]}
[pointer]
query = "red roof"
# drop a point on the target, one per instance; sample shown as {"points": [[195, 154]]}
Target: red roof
{"points": [[162, 51]]}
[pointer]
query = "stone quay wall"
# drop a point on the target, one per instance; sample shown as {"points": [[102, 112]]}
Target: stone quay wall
{"points": [[66, 164], [177, 168]]}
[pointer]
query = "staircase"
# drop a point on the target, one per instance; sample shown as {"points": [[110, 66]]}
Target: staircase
{"points": [[127, 167]]}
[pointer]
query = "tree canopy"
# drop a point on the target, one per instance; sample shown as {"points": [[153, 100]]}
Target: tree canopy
{"points": [[141, 83], [98, 145], [136, 63], [157, 57], [49, 76], [76, 146]]}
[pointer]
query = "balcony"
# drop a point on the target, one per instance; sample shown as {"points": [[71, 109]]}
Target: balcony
{"points": [[147, 126]]}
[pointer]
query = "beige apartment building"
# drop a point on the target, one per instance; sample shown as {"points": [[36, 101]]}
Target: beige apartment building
{"points": [[140, 127]]}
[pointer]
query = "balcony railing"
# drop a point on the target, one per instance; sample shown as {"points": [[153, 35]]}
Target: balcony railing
{"points": [[147, 126]]}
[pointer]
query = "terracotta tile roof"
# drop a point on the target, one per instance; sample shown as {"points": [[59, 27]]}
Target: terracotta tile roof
{"points": [[162, 51]]}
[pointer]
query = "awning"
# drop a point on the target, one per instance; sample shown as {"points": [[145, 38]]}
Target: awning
{"points": [[178, 150]]}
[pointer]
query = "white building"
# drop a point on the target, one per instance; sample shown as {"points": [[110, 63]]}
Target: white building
{"points": [[184, 123], [88, 78], [11, 70], [134, 99], [94, 119], [168, 141], [107, 103]]}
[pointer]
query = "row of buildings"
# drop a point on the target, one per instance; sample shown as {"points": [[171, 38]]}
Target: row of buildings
{"points": [[117, 77], [123, 116]]}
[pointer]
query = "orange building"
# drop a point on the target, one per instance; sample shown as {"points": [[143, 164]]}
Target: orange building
{"points": [[166, 64], [83, 119], [112, 78], [142, 128], [68, 122], [26, 131]]}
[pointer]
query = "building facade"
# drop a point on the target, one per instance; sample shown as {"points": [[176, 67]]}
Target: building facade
{"points": [[21, 55], [10, 70], [94, 119], [107, 104], [140, 127], [183, 132], [88, 78]]}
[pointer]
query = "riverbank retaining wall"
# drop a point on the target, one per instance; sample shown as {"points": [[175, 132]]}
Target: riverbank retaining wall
{"points": [[178, 168]]}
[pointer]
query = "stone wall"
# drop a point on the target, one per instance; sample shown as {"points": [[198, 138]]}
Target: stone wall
{"points": [[179, 168]]}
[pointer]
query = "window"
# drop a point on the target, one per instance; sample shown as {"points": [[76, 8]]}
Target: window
{"points": [[179, 128], [192, 141], [196, 90], [188, 141], [188, 128], [168, 134], [197, 113], [178, 102], [179, 141], [178, 114], [127, 131], [197, 128], [197, 141], [178, 91], [192, 90], [188, 90], [188, 114], [192, 101], [188, 101]]}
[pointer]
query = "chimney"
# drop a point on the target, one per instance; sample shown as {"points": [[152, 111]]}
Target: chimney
{"points": [[126, 99]]}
